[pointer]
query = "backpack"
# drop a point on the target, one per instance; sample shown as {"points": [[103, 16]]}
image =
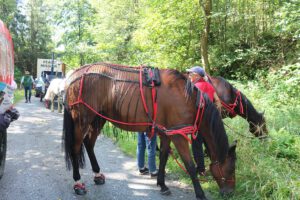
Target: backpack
{"points": [[27, 81]]}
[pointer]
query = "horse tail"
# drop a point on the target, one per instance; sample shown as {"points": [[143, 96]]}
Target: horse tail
{"points": [[68, 137], [69, 141]]}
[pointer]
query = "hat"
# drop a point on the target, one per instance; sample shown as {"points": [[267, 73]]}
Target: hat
{"points": [[198, 70], [27, 72]]}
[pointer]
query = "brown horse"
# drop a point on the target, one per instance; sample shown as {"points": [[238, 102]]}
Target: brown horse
{"points": [[236, 103], [100, 92]]}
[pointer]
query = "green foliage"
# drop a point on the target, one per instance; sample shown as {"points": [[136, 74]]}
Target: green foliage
{"points": [[75, 17], [29, 25], [18, 96], [288, 22], [246, 37], [284, 145], [169, 38], [18, 74], [284, 84], [7, 10]]}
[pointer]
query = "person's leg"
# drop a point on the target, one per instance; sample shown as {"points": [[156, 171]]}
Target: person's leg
{"points": [[198, 154], [29, 98], [151, 148], [140, 151], [25, 93]]}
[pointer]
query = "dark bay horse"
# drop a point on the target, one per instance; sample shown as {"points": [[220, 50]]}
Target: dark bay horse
{"points": [[108, 92], [236, 103]]}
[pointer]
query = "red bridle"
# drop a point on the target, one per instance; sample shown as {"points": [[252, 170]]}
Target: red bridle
{"points": [[222, 177]]}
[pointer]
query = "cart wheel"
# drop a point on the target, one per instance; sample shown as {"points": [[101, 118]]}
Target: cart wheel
{"points": [[3, 142]]}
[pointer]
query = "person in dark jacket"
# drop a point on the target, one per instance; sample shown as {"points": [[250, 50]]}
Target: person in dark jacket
{"points": [[27, 82]]}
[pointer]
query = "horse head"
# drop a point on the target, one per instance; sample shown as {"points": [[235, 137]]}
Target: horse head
{"points": [[224, 173], [258, 126]]}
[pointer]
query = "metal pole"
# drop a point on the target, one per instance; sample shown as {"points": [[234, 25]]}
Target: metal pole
{"points": [[52, 64]]}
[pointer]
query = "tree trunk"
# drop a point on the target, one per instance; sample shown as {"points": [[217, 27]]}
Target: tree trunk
{"points": [[206, 7]]}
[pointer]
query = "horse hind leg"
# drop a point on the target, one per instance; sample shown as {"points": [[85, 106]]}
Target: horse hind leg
{"points": [[77, 158], [89, 142]]}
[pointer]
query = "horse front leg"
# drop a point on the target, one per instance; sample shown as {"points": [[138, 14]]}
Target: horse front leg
{"points": [[52, 102], [182, 147], [163, 158]]}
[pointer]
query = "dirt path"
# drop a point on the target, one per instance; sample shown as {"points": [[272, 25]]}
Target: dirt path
{"points": [[35, 167]]}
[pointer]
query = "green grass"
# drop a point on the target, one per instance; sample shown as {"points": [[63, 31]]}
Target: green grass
{"points": [[267, 169], [18, 95]]}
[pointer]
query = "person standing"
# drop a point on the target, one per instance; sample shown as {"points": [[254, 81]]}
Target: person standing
{"points": [[143, 143], [198, 77], [27, 82]]}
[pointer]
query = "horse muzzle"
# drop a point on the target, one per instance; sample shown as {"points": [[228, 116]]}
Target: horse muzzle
{"points": [[226, 191]]}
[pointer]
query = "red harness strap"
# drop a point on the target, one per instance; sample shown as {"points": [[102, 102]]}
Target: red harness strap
{"points": [[80, 101], [154, 101], [230, 107], [182, 131], [193, 130]]}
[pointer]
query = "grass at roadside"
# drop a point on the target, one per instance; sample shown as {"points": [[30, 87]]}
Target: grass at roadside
{"points": [[18, 95], [267, 169]]}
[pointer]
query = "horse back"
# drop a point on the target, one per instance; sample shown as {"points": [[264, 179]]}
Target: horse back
{"points": [[114, 91]]}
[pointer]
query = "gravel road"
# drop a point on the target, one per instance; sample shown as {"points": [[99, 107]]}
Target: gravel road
{"points": [[35, 167]]}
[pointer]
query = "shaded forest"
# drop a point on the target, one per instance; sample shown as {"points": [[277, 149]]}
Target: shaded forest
{"points": [[244, 37]]}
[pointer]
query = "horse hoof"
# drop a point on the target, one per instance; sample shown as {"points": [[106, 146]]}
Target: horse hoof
{"points": [[165, 191], [100, 180], [80, 189]]}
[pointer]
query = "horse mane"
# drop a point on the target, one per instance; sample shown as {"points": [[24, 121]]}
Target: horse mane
{"points": [[176, 74], [212, 115], [105, 70]]}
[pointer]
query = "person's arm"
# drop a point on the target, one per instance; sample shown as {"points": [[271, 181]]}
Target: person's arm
{"points": [[33, 82], [22, 80]]}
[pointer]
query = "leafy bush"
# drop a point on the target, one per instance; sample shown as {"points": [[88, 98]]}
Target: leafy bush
{"points": [[284, 145], [284, 84]]}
